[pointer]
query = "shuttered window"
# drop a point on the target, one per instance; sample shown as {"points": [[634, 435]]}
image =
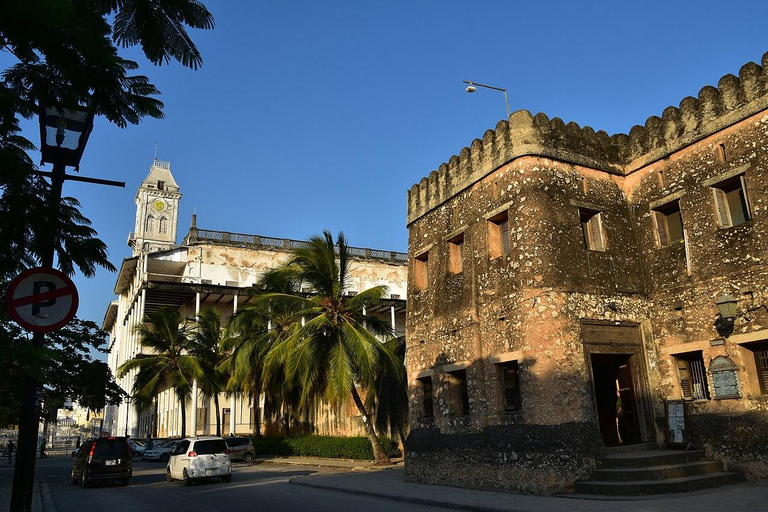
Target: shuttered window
{"points": [[427, 399], [592, 229], [510, 386], [668, 224], [692, 375], [498, 235], [761, 363], [731, 202]]}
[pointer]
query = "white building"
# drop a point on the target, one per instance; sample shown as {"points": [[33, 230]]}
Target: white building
{"points": [[212, 268]]}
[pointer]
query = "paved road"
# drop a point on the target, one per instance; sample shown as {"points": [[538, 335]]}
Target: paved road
{"points": [[253, 487]]}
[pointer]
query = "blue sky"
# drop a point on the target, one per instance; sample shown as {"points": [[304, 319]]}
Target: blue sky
{"points": [[314, 115]]}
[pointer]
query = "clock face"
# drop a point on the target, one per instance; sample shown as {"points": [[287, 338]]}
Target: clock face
{"points": [[158, 205]]}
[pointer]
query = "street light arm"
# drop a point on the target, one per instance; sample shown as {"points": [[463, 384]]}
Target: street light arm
{"points": [[506, 100]]}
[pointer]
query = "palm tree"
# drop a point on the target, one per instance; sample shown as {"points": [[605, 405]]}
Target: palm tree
{"points": [[254, 330], [336, 348], [207, 345], [165, 332], [391, 398]]}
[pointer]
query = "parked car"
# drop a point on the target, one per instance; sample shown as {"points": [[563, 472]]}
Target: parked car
{"points": [[161, 452], [137, 447], [240, 448], [196, 458], [105, 458]]}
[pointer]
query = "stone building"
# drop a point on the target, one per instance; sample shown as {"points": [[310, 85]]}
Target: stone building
{"points": [[563, 287], [214, 268]]}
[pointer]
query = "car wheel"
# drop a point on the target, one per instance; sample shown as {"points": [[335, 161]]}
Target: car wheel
{"points": [[247, 457], [226, 479], [164, 457], [168, 477], [187, 480]]}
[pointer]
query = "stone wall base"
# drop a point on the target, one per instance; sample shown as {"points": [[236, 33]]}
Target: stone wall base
{"points": [[541, 459]]}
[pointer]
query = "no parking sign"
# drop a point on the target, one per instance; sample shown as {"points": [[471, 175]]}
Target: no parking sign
{"points": [[42, 299]]}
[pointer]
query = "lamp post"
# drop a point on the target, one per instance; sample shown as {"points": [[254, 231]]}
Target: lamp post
{"points": [[128, 401], [472, 87], [64, 134]]}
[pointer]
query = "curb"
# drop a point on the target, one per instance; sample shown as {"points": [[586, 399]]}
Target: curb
{"points": [[406, 499]]}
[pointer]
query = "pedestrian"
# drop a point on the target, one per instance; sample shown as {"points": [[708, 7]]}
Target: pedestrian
{"points": [[11, 447], [77, 443], [42, 449]]}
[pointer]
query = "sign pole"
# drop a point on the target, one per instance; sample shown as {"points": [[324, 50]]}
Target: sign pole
{"points": [[29, 420]]}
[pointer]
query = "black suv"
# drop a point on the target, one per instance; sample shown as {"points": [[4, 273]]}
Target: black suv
{"points": [[105, 458]]}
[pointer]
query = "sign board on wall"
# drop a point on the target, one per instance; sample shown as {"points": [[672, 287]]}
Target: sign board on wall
{"points": [[676, 435]]}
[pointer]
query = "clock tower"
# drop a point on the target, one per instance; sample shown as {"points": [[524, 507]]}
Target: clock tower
{"points": [[157, 211]]}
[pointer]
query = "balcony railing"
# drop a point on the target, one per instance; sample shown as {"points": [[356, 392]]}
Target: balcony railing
{"points": [[285, 244]]}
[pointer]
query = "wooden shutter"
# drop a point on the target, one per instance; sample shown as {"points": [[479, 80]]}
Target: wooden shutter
{"points": [[721, 208], [504, 228], [596, 232], [686, 384], [747, 216], [662, 229], [761, 358]]}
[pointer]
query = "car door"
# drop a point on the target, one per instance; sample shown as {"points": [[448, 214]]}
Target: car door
{"points": [[178, 459]]}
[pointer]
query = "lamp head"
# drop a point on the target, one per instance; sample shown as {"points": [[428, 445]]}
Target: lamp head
{"points": [[471, 88]]}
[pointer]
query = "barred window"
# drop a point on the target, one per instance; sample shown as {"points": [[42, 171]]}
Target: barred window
{"points": [[692, 375]]}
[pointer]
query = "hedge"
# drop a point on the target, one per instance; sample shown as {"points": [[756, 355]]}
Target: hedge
{"points": [[323, 446]]}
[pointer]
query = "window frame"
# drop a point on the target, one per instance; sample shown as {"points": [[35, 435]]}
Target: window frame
{"points": [[661, 223], [427, 385], [503, 369], [725, 204], [498, 240], [691, 369], [421, 271]]}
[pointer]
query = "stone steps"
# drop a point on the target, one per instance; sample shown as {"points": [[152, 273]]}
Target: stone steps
{"points": [[644, 469]]}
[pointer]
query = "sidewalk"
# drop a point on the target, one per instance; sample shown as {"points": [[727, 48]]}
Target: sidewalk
{"points": [[362, 477]]}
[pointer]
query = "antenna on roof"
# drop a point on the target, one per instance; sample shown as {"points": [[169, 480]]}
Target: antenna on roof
{"points": [[155, 150]]}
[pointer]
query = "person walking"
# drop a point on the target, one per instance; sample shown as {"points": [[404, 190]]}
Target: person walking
{"points": [[42, 449], [11, 447]]}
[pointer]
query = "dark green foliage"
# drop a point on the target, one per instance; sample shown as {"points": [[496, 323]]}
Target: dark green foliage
{"points": [[358, 448]]}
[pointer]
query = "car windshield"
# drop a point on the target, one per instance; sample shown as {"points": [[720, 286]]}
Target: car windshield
{"points": [[109, 449], [210, 447]]}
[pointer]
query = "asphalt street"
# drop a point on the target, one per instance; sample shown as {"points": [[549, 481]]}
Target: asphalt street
{"points": [[253, 487]]}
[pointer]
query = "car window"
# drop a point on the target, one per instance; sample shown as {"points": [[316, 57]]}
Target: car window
{"points": [[237, 442], [109, 449], [210, 446], [181, 447]]}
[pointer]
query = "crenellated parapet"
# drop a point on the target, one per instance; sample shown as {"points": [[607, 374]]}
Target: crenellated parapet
{"points": [[715, 108]]}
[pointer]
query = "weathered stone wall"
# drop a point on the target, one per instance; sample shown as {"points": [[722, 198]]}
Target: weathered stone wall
{"points": [[529, 305]]}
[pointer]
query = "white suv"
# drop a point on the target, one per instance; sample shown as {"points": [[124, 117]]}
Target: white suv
{"points": [[199, 457]]}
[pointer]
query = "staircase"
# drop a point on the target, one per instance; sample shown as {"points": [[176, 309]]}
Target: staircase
{"points": [[644, 469]]}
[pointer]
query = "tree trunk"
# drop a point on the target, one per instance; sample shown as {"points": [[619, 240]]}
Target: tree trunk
{"points": [[256, 415], [154, 420], [183, 418], [218, 414], [380, 456]]}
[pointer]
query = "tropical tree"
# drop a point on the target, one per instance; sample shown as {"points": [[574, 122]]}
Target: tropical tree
{"points": [[165, 332], [208, 345], [391, 397], [335, 349], [254, 329]]}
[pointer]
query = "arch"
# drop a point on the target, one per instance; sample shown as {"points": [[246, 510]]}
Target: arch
{"points": [[163, 224], [150, 225]]}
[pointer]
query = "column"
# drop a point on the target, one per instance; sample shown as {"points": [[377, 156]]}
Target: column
{"points": [[193, 418], [232, 398]]}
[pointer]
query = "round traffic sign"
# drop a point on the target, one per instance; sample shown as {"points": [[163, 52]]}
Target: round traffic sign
{"points": [[42, 299]]}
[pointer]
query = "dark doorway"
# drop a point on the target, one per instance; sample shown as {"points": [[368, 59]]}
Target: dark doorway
{"points": [[615, 399]]}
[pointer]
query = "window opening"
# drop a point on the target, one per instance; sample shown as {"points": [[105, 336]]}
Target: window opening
{"points": [[160, 185], [761, 363], [498, 235], [456, 254], [460, 392], [592, 229], [731, 205], [692, 375], [420, 271], [510, 386], [669, 224], [427, 401]]}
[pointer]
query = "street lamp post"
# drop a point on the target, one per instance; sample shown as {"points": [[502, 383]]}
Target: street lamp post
{"points": [[472, 87], [64, 134], [128, 401]]}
